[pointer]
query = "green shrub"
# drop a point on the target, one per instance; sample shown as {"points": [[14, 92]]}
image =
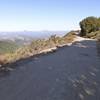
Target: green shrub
{"points": [[94, 35], [89, 24]]}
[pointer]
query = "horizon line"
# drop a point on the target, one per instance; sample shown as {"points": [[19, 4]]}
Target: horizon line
{"points": [[36, 30]]}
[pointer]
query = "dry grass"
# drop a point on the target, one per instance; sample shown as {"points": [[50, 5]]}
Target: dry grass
{"points": [[36, 47]]}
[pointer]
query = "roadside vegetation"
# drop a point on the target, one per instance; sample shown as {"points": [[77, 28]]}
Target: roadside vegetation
{"points": [[34, 48], [7, 47], [90, 27]]}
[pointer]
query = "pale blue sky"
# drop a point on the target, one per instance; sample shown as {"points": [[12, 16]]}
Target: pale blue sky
{"points": [[19, 15]]}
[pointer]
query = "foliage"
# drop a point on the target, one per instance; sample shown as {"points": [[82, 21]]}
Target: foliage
{"points": [[94, 35], [7, 47], [35, 47], [89, 24]]}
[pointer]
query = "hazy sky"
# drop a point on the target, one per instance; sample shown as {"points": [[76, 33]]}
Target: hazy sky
{"points": [[18, 15]]}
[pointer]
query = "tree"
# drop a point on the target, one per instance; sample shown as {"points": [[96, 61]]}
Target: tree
{"points": [[89, 24]]}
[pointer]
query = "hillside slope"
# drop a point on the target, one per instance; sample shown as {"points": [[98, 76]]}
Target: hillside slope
{"points": [[7, 47]]}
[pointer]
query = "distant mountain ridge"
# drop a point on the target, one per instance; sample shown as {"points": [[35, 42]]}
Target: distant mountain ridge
{"points": [[25, 37]]}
